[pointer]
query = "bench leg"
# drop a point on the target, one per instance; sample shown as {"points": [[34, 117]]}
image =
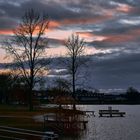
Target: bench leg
{"points": [[100, 115]]}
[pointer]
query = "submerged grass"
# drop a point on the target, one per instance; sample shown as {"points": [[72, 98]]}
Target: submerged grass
{"points": [[20, 116]]}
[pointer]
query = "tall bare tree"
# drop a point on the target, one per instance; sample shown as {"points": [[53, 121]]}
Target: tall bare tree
{"points": [[75, 53], [27, 48]]}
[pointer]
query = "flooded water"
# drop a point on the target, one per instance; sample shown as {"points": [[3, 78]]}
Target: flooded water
{"points": [[116, 128]]}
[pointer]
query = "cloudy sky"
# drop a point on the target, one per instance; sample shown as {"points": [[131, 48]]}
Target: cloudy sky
{"points": [[111, 29]]}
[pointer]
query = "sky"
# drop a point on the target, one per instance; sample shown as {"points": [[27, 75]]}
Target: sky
{"points": [[111, 29]]}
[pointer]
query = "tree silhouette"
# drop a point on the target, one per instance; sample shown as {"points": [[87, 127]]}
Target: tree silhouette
{"points": [[4, 83], [7, 82], [133, 95], [27, 48], [75, 52]]}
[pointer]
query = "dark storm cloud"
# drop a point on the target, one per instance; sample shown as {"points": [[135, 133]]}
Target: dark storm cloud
{"points": [[59, 9], [106, 70], [55, 42], [121, 70], [56, 9], [117, 27], [8, 10], [127, 45], [4, 23]]}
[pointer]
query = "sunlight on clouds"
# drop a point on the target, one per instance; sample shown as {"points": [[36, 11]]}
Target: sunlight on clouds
{"points": [[3, 71], [53, 24], [124, 8], [131, 21], [121, 7], [3, 59], [59, 34], [90, 36], [132, 35], [62, 51]]}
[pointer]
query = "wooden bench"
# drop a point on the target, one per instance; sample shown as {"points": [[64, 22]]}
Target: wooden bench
{"points": [[111, 113], [103, 111]]}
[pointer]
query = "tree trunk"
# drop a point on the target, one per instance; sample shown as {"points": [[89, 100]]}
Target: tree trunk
{"points": [[73, 94], [30, 99], [31, 93], [31, 85]]}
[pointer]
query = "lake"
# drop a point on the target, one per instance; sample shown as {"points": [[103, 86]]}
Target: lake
{"points": [[116, 128]]}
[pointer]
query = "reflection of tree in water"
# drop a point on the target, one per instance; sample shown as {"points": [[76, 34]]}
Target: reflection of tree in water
{"points": [[66, 122]]}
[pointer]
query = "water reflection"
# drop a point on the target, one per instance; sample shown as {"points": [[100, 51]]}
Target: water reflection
{"points": [[116, 128]]}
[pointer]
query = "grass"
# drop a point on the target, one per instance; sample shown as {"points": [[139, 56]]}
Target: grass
{"points": [[21, 123], [20, 117]]}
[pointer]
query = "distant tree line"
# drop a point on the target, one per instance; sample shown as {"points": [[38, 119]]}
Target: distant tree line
{"points": [[82, 96], [133, 95], [12, 89]]}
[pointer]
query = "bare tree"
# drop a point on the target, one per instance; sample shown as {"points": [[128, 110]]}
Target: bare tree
{"points": [[62, 84], [27, 48], [75, 53]]}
